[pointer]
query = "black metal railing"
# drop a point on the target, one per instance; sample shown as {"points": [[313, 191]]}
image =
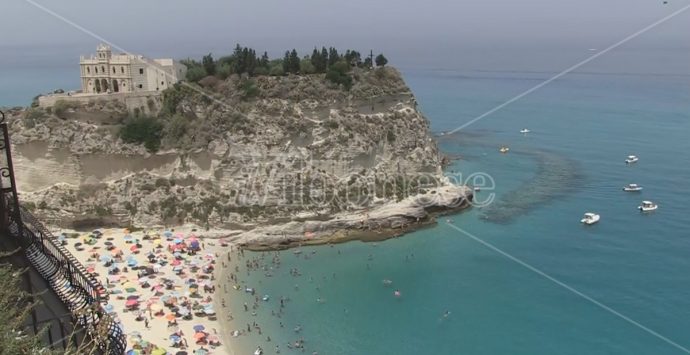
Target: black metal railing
{"points": [[79, 290]]}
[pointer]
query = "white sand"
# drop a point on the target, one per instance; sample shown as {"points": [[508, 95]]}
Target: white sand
{"points": [[158, 332]]}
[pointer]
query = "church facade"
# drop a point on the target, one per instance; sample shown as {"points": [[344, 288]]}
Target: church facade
{"points": [[108, 73]]}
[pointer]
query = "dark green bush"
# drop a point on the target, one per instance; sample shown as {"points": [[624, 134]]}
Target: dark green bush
{"points": [[143, 130]]}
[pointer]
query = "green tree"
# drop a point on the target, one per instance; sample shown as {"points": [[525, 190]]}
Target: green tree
{"points": [[338, 74], [333, 56], [208, 64], [294, 62], [318, 61], [381, 61], [195, 74], [143, 130], [306, 66], [324, 58]]}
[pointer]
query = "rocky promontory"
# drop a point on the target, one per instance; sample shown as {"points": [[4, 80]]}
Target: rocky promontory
{"points": [[293, 156]]}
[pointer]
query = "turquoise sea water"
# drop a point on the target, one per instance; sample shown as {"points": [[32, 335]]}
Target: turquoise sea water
{"points": [[583, 126]]}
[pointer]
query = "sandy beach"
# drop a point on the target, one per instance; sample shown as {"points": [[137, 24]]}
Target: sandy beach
{"points": [[161, 285]]}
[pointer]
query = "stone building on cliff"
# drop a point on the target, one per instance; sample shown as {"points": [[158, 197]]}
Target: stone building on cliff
{"points": [[114, 73]]}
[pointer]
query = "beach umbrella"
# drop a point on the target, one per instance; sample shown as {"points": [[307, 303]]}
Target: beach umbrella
{"points": [[198, 327], [181, 353], [200, 352], [175, 338], [105, 258], [133, 352], [183, 311], [159, 351], [209, 311], [198, 336], [131, 303], [177, 241], [170, 317], [133, 248], [109, 308], [168, 234], [156, 307]]}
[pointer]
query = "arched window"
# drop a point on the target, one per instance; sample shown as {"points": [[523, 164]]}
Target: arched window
{"points": [[95, 69], [102, 69], [122, 69], [88, 70], [114, 70]]}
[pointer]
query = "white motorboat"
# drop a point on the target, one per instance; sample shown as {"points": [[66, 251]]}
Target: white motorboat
{"points": [[631, 159], [525, 130], [258, 351], [648, 206], [504, 149], [632, 188], [590, 218]]}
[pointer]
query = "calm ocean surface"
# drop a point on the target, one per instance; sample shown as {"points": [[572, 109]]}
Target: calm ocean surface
{"points": [[583, 126]]}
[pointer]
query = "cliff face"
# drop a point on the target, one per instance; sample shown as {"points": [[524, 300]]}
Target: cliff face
{"points": [[260, 150]]}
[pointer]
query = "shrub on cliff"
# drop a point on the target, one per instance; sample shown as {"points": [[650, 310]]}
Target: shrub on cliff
{"points": [[61, 107], [143, 130], [338, 74]]}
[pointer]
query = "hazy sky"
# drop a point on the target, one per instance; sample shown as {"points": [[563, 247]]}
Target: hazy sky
{"points": [[431, 31]]}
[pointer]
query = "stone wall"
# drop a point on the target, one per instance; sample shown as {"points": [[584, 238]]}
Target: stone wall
{"points": [[146, 102]]}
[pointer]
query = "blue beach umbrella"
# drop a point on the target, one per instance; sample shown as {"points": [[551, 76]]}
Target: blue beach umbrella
{"points": [[198, 328]]}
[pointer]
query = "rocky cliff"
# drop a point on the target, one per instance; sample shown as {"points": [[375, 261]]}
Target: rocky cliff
{"points": [[233, 153]]}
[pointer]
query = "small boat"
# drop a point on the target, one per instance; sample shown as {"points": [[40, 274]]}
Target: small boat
{"points": [[249, 290], [631, 159], [504, 149], [387, 282], [265, 298], [525, 130], [632, 188], [590, 218], [258, 351], [648, 206]]}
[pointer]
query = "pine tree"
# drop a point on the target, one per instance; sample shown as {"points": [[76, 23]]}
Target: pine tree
{"points": [[286, 62], [324, 58], [294, 62], [264, 62], [381, 61], [333, 56], [208, 64]]}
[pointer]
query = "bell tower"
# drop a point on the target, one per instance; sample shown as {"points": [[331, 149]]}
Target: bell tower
{"points": [[104, 52]]}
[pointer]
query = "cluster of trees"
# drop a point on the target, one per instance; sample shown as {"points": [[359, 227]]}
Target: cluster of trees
{"points": [[244, 60]]}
